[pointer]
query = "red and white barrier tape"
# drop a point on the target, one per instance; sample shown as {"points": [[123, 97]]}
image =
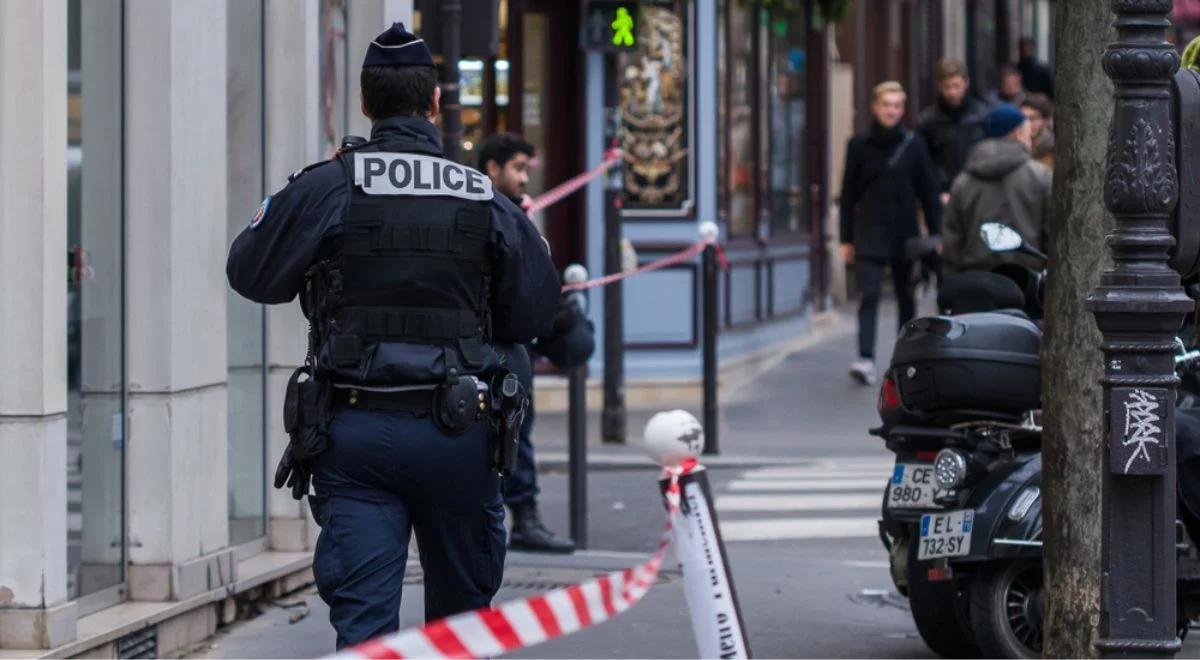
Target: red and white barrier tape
{"points": [[669, 260], [562, 190], [521, 623]]}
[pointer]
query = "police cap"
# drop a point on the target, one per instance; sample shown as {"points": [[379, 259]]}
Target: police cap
{"points": [[397, 47]]}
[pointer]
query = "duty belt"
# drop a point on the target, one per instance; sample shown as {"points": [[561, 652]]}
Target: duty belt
{"points": [[413, 401]]}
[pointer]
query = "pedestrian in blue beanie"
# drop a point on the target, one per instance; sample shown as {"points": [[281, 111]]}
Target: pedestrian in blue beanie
{"points": [[1001, 182]]}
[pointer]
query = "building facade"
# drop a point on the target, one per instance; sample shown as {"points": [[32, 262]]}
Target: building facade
{"points": [[139, 424], [138, 427]]}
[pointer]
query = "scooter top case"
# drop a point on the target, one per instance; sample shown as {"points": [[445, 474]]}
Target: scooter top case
{"points": [[986, 362]]}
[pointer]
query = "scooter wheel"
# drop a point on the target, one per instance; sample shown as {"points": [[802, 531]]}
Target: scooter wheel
{"points": [[939, 611], [1008, 608]]}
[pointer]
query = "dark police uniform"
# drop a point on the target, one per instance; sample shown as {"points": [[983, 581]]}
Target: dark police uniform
{"points": [[412, 273]]}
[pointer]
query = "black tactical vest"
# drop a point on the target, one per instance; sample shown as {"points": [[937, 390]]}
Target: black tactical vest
{"points": [[407, 301]]}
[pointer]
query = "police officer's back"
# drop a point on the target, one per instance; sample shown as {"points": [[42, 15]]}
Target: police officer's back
{"points": [[410, 271]]}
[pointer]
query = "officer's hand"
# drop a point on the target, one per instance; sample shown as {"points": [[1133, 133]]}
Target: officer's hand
{"points": [[299, 482], [292, 474], [847, 250]]}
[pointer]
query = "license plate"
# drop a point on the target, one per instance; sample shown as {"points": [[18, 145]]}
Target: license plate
{"points": [[912, 487], [946, 534]]}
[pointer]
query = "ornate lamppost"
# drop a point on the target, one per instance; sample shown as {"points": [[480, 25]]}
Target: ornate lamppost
{"points": [[1139, 307]]}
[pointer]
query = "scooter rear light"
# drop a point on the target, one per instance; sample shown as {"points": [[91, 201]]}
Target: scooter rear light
{"points": [[889, 396]]}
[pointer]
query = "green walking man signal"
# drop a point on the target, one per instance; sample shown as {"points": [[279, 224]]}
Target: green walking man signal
{"points": [[622, 28], [610, 26]]}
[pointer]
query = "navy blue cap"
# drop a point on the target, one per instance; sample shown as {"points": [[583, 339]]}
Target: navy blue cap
{"points": [[1003, 119], [397, 47]]}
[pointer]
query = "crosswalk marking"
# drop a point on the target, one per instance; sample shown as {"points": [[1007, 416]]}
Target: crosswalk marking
{"points": [[807, 472], [808, 485], [828, 499], [839, 502], [778, 529]]}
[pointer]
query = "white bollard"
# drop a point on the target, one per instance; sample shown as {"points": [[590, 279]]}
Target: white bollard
{"points": [[671, 438]]}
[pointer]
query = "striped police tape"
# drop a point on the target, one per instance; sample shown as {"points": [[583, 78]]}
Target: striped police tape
{"points": [[523, 623]]}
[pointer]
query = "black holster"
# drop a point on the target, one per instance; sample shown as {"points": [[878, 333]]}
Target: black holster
{"points": [[456, 406], [509, 403], [306, 409]]}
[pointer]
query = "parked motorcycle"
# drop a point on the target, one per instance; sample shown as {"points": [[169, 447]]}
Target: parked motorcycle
{"points": [[962, 513]]}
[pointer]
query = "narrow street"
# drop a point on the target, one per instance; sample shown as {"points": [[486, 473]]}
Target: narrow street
{"points": [[799, 526]]}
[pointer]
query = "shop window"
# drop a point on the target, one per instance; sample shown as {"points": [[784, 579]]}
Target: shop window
{"points": [[655, 131], [739, 117], [94, 259], [334, 77], [786, 86], [245, 190]]}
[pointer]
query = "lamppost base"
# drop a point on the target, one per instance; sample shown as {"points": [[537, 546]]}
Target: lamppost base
{"points": [[1138, 648]]}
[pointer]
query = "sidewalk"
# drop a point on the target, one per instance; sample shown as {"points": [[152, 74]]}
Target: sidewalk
{"points": [[801, 412], [809, 390]]}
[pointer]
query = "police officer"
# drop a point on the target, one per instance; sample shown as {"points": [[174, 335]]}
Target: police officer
{"points": [[411, 273], [568, 343]]}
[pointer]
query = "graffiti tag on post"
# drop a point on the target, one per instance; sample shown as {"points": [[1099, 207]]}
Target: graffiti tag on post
{"points": [[1139, 426]]}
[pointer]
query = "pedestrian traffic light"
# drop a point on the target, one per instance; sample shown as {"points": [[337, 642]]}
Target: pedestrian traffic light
{"points": [[610, 25]]}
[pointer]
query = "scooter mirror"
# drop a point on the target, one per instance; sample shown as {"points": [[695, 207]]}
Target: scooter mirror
{"points": [[999, 237]]}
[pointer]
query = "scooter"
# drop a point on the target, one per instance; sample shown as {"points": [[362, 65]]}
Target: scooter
{"points": [[962, 514], [961, 517]]}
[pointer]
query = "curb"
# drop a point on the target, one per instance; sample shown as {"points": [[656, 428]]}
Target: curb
{"points": [[559, 461]]}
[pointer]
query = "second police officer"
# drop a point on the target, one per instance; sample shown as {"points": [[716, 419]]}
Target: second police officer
{"points": [[415, 278]]}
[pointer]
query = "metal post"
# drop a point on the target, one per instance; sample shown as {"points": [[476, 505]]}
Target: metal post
{"points": [[709, 341], [452, 131], [577, 423], [613, 419], [1139, 306], [577, 451]]}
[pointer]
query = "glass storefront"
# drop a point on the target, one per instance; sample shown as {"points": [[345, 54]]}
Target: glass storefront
{"points": [[763, 69], [245, 126], [788, 83], [95, 302], [335, 75], [739, 120]]}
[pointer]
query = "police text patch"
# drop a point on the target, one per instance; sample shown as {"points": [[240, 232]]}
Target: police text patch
{"points": [[418, 175]]}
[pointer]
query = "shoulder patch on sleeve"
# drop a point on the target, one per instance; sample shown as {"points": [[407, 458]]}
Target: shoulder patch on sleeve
{"points": [[262, 213]]}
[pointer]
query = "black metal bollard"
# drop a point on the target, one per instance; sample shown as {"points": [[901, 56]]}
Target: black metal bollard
{"points": [[1139, 306], [709, 340], [577, 452], [613, 421]]}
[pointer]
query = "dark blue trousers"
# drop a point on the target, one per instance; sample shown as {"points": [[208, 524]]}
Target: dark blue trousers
{"points": [[388, 474]]}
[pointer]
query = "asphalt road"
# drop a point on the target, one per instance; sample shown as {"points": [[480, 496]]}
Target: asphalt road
{"points": [[809, 569]]}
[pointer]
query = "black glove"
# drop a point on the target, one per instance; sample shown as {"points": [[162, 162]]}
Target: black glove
{"points": [[294, 474]]}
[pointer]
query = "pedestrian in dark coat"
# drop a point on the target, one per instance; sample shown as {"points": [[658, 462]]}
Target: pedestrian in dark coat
{"points": [[953, 124], [1036, 76], [888, 172]]}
